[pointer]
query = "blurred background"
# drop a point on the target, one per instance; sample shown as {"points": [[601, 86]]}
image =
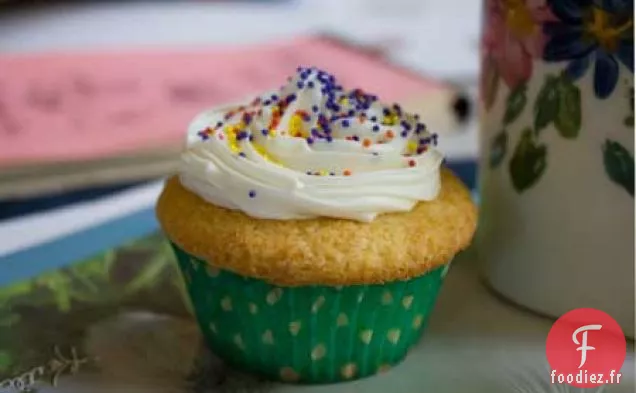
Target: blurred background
{"points": [[410, 30]]}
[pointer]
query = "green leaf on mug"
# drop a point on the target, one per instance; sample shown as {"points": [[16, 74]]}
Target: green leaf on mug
{"points": [[515, 103], [568, 116], [490, 83], [546, 105], [498, 148], [619, 165], [528, 162]]}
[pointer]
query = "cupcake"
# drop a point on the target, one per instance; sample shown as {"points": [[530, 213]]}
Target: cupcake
{"points": [[313, 226]]}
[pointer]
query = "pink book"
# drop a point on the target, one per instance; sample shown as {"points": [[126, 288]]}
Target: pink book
{"points": [[85, 106]]}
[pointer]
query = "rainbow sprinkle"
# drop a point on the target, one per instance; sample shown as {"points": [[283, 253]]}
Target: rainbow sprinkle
{"points": [[316, 109]]}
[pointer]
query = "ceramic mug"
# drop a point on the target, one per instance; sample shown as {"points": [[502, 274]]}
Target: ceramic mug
{"points": [[557, 148]]}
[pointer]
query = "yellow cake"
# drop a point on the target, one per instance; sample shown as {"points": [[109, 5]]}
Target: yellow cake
{"points": [[324, 251]]}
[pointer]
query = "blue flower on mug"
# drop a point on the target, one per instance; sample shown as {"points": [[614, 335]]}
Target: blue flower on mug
{"points": [[598, 32]]}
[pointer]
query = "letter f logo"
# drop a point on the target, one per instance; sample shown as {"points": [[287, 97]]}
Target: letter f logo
{"points": [[583, 344]]}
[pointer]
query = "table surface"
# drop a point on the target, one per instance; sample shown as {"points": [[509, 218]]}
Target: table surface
{"points": [[475, 341]]}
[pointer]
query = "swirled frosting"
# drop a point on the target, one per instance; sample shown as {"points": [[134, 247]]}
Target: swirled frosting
{"points": [[311, 149]]}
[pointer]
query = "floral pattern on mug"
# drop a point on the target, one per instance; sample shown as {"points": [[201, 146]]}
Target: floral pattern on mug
{"points": [[577, 35], [592, 32], [512, 37]]}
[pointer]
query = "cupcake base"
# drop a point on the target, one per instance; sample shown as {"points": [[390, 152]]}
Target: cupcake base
{"points": [[308, 334]]}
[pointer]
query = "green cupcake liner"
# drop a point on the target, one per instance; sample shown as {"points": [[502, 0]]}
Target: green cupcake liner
{"points": [[308, 334]]}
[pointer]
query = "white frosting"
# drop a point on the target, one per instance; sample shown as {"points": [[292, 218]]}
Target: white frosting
{"points": [[302, 167]]}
